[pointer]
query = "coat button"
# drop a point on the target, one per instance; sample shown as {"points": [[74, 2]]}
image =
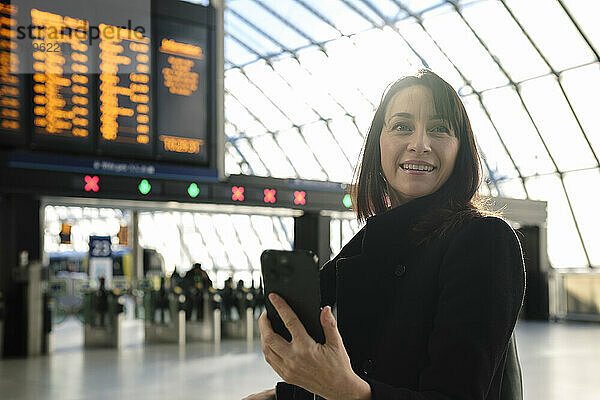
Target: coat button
{"points": [[368, 366], [400, 270]]}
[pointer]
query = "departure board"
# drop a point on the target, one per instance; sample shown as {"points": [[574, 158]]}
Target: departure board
{"points": [[61, 87], [112, 82], [12, 105], [182, 90], [125, 92]]}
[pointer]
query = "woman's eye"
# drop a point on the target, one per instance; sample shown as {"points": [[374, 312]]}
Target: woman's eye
{"points": [[401, 127], [441, 129]]}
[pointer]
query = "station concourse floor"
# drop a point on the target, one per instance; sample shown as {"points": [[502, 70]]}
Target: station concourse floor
{"points": [[560, 360]]}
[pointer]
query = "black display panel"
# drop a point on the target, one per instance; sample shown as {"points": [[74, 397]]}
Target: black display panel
{"points": [[116, 83], [12, 84], [182, 93], [125, 97]]}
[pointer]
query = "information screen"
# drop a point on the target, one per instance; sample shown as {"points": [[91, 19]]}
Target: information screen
{"points": [[125, 92], [61, 87], [182, 91], [11, 84], [116, 81]]}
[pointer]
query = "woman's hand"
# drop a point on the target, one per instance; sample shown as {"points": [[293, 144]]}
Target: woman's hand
{"points": [[323, 369], [268, 394]]}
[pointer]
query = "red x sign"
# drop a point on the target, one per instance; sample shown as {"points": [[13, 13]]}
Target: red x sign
{"points": [[91, 183], [238, 193], [270, 195], [299, 197]]}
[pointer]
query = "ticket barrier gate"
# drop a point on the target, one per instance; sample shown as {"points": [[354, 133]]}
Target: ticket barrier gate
{"points": [[103, 315], [200, 320], [163, 314], [178, 316], [241, 324]]}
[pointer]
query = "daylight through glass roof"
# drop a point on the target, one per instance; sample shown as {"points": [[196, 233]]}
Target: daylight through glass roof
{"points": [[303, 78]]}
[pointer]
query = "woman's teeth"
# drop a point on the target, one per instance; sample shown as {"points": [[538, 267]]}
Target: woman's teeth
{"points": [[417, 167]]}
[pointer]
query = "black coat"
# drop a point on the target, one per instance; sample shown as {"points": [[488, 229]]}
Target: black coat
{"points": [[430, 322]]}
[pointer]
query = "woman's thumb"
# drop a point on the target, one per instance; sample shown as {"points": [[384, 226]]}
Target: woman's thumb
{"points": [[332, 335]]}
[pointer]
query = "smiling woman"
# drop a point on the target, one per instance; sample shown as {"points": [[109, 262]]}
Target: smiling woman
{"points": [[428, 292]]}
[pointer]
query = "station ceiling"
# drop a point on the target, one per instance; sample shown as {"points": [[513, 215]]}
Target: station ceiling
{"points": [[303, 78]]}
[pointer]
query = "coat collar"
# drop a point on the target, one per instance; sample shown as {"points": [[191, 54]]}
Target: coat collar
{"points": [[393, 227], [389, 228]]}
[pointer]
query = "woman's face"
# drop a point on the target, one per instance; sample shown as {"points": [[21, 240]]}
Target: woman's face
{"points": [[414, 137]]}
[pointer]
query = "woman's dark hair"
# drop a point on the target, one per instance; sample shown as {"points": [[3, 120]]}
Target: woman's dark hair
{"points": [[457, 199]]}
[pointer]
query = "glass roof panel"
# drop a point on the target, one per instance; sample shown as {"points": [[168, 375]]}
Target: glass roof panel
{"points": [[330, 156], [230, 239], [426, 47], [564, 247], [389, 8], [489, 142], [273, 26], [278, 90], [236, 54], [581, 86], [248, 238], [230, 130], [233, 160], [348, 136], [349, 228], [205, 226], [255, 101], [418, 6], [463, 48], [512, 188], [237, 27], [586, 13], [556, 123], [336, 71], [198, 251], [306, 21], [300, 154], [254, 160], [380, 57], [517, 131], [268, 238], [584, 191], [552, 32], [361, 8], [492, 22], [284, 229], [273, 156], [306, 88], [341, 16], [240, 119]]}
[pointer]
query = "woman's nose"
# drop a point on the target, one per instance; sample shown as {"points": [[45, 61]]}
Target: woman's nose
{"points": [[419, 141]]}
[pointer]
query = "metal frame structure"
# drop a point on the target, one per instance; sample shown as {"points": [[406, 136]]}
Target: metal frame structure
{"points": [[390, 14]]}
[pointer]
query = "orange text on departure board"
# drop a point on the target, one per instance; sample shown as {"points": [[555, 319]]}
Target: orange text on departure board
{"points": [[181, 145], [178, 76], [9, 62], [114, 50], [61, 87]]}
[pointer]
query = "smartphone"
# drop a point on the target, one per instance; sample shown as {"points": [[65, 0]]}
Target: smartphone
{"points": [[293, 275]]}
